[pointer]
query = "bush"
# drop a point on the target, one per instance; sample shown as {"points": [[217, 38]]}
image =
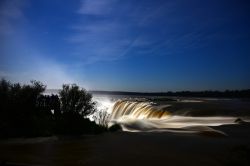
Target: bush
{"points": [[76, 100], [26, 112], [76, 105], [18, 111]]}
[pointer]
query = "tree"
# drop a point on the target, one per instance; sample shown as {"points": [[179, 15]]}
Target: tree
{"points": [[76, 101], [26, 111], [18, 111], [76, 106]]}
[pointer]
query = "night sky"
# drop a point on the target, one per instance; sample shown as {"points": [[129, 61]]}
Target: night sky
{"points": [[127, 45]]}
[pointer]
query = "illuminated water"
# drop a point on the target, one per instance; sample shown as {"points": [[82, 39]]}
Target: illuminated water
{"points": [[187, 115]]}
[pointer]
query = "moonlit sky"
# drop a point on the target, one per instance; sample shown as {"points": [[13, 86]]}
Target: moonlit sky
{"points": [[127, 45]]}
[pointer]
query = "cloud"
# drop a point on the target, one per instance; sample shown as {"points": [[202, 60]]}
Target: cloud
{"points": [[100, 40], [96, 51], [10, 14], [97, 31], [174, 44], [127, 28], [95, 7], [107, 38], [116, 28]]}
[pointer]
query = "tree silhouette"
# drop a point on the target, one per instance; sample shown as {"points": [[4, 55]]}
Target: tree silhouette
{"points": [[19, 114], [26, 111], [76, 106], [77, 101]]}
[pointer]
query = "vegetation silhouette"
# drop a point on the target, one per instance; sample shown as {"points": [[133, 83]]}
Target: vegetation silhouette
{"points": [[76, 106], [245, 93], [102, 118], [26, 112]]}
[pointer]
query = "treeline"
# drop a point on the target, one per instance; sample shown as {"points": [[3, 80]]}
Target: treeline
{"points": [[219, 94], [26, 112]]}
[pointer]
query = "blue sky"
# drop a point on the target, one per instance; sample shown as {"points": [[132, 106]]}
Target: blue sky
{"points": [[144, 45]]}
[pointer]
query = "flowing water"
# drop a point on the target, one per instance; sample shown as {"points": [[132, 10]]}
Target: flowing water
{"points": [[186, 115]]}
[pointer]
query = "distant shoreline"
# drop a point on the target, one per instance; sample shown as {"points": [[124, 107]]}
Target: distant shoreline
{"points": [[217, 94]]}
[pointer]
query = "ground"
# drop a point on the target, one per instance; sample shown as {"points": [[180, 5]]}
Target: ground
{"points": [[125, 148]]}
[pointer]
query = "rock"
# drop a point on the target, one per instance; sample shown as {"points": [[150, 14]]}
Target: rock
{"points": [[239, 121], [115, 127]]}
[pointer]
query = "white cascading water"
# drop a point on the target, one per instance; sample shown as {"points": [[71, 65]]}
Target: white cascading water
{"points": [[137, 110], [145, 116], [142, 116]]}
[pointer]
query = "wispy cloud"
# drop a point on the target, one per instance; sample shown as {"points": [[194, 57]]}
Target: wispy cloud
{"points": [[119, 28], [95, 7], [103, 39], [112, 33], [10, 13], [110, 30]]}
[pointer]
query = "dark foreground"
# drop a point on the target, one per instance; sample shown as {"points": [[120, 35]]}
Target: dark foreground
{"points": [[123, 148]]}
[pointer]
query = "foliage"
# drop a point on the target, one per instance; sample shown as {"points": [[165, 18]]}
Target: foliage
{"points": [[76, 100], [76, 106], [18, 108], [25, 111]]}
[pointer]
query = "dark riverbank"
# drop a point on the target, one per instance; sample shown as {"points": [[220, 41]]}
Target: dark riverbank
{"points": [[124, 148], [217, 94]]}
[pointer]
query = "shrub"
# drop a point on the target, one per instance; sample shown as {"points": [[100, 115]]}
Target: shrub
{"points": [[76, 100]]}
